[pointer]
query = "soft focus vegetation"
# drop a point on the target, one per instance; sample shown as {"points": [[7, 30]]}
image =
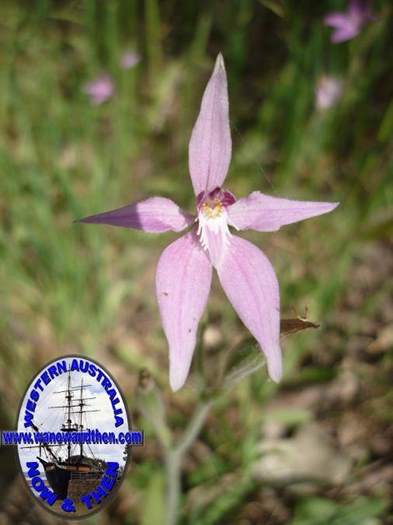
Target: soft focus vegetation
{"points": [[71, 288]]}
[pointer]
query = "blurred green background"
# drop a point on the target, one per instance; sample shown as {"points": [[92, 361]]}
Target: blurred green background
{"points": [[316, 449]]}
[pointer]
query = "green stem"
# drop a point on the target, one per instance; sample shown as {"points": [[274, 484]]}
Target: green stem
{"points": [[194, 427], [174, 458], [173, 488], [174, 454]]}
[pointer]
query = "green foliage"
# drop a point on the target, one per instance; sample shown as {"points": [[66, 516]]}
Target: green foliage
{"points": [[154, 505], [319, 511], [67, 287]]}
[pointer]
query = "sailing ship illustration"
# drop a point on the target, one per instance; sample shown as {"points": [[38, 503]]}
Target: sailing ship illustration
{"points": [[66, 468]]}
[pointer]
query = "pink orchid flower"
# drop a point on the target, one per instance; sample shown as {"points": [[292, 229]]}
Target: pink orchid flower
{"points": [[185, 268], [348, 24], [129, 59], [100, 89]]}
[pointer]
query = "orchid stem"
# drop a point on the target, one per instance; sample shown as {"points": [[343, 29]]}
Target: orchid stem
{"points": [[175, 454], [173, 488], [153, 409], [194, 427], [174, 458]]}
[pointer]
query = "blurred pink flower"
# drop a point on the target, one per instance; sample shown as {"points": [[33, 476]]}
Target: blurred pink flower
{"points": [[129, 59], [100, 89], [348, 24], [327, 92], [185, 268]]}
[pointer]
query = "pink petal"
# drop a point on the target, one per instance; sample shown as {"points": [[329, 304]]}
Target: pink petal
{"points": [[183, 282], [155, 215], [265, 213], [344, 33], [336, 19], [210, 145], [250, 284]]}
